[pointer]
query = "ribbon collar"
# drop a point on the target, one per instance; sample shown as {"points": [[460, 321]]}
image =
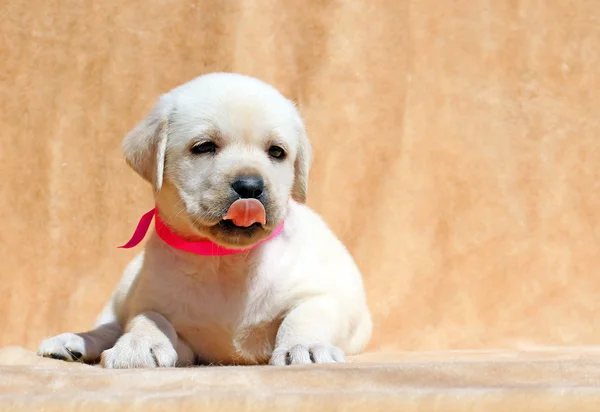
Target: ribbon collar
{"points": [[205, 247]]}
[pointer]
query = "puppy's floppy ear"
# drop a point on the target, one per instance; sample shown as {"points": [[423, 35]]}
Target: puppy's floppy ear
{"points": [[145, 145], [301, 168]]}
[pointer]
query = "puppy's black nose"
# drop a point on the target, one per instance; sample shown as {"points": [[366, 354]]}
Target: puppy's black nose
{"points": [[249, 186]]}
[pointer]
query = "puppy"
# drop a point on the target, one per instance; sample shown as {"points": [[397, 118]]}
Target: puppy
{"points": [[228, 158]]}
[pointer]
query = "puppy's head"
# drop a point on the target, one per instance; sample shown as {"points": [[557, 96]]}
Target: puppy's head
{"points": [[213, 141]]}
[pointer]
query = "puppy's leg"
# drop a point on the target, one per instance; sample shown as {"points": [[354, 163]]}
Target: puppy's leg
{"points": [[83, 347], [307, 334], [150, 341]]}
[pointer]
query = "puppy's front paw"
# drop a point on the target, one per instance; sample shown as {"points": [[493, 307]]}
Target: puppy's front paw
{"points": [[303, 354], [69, 347], [134, 350]]}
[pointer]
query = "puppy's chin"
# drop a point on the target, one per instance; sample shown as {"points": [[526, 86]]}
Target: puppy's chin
{"points": [[226, 234]]}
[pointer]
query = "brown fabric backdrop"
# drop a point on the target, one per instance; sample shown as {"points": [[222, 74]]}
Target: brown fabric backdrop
{"points": [[457, 149]]}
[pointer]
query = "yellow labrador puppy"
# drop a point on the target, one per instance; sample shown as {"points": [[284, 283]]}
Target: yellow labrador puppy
{"points": [[238, 270]]}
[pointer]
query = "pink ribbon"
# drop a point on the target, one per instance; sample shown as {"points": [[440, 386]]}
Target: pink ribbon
{"points": [[205, 247]]}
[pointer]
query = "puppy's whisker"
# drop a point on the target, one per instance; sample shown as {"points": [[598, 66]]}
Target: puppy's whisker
{"points": [[178, 213], [179, 202]]}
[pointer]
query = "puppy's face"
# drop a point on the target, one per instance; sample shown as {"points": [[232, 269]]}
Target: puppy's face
{"points": [[222, 138]]}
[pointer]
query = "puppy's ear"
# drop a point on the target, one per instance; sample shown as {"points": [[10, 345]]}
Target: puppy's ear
{"points": [[301, 168], [145, 145]]}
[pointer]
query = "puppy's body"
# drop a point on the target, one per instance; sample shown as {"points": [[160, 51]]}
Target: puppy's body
{"points": [[296, 298], [228, 309]]}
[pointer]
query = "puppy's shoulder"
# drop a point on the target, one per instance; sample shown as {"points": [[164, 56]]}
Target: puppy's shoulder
{"points": [[309, 238], [302, 219], [306, 226]]}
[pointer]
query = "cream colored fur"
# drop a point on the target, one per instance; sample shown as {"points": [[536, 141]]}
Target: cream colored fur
{"points": [[297, 298]]}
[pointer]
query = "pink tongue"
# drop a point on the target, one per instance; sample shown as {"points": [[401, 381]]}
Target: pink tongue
{"points": [[245, 212]]}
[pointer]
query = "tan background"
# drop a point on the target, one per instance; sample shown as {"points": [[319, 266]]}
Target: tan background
{"points": [[457, 150]]}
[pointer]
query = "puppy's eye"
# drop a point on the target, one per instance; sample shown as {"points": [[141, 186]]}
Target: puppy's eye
{"points": [[203, 147], [276, 152]]}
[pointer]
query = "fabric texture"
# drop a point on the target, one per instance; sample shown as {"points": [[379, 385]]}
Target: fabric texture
{"points": [[488, 380], [457, 155]]}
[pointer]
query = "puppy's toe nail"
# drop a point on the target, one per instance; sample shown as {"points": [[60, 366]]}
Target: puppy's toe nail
{"points": [[165, 357], [76, 355], [57, 356]]}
